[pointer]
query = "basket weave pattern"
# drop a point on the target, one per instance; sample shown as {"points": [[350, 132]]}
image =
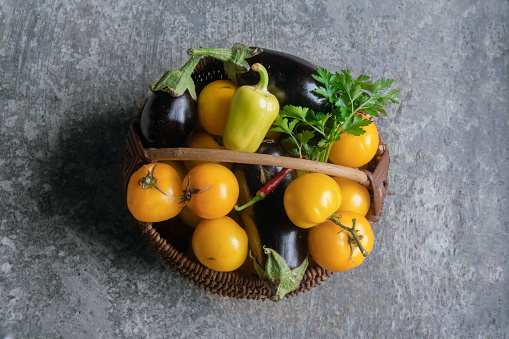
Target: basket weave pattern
{"points": [[240, 285]]}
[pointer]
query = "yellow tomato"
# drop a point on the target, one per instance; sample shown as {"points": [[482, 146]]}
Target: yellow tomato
{"points": [[214, 104], [210, 190], [312, 198], [272, 135], [220, 244], [200, 138], [177, 165], [189, 218], [354, 197], [153, 193], [330, 245], [355, 151]]}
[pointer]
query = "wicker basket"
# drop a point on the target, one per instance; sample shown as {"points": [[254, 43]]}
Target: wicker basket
{"points": [[170, 239]]}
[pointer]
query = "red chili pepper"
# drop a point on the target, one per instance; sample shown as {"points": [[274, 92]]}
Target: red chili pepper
{"points": [[265, 190]]}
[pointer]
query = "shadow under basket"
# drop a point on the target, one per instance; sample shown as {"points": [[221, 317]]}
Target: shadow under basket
{"points": [[170, 239]]}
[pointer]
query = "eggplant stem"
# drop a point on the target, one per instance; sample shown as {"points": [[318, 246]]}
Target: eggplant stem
{"points": [[236, 55], [190, 65], [176, 82], [223, 54], [234, 59]]}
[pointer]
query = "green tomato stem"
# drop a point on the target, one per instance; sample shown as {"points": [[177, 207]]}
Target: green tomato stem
{"points": [[335, 219], [150, 180]]}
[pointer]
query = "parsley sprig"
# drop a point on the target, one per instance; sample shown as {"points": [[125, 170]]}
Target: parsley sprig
{"points": [[310, 134]]}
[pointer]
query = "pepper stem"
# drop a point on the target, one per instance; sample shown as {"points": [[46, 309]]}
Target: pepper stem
{"points": [[258, 197], [265, 190], [234, 59], [261, 86], [176, 82]]}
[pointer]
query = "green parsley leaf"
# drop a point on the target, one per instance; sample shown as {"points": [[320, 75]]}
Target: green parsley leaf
{"points": [[312, 134]]}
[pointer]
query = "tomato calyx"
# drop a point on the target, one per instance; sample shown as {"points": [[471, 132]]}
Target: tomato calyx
{"points": [[355, 239], [279, 278], [150, 180], [188, 192], [219, 140]]}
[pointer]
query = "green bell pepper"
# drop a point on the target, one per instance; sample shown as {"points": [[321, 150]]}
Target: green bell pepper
{"points": [[253, 109]]}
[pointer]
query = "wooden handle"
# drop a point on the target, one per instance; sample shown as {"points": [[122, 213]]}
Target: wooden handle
{"points": [[256, 158]]}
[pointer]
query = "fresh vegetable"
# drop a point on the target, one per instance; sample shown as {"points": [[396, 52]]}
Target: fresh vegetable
{"points": [[312, 198], [333, 245], [213, 105], [311, 134], [153, 193], [220, 244], [267, 188], [252, 112], [210, 190], [278, 248], [290, 77], [355, 150], [354, 197], [189, 218], [177, 165], [200, 138], [170, 113]]}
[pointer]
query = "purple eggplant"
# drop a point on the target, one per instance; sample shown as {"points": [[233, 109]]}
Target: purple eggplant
{"points": [[167, 121], [278, 247], [170, 114], [290, 77]]}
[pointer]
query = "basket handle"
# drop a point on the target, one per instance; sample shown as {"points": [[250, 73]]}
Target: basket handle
{"points": [[217, 155]]}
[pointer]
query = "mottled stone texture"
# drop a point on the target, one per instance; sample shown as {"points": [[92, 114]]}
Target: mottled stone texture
{"points": [[73, 73]]}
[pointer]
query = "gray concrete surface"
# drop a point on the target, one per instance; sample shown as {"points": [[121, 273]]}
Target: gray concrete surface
{"points": [[72, 74]]}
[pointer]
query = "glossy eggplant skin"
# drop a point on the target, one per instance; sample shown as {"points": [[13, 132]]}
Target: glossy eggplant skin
{"points": [[290, 79], [167, 121], [266, 222]]}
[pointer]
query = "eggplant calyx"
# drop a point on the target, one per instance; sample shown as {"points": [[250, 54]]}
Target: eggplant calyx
{"points": [[278, 276], [234, 59], [177, 82]]}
